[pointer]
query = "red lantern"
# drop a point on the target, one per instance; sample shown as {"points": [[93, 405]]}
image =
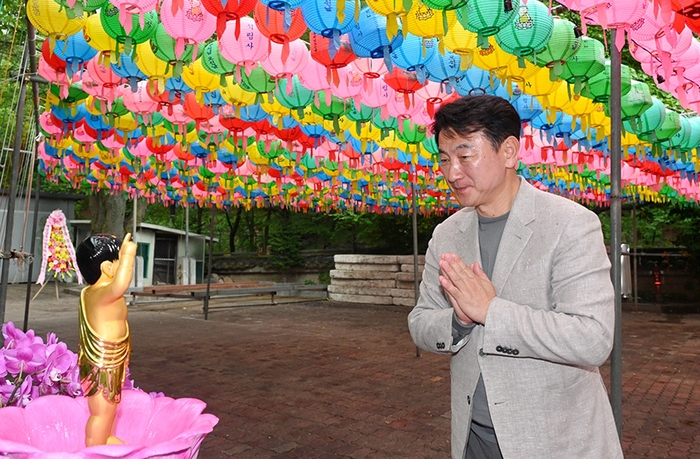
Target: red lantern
{"points": [[319, 48], [272, 24], [231, 10], [195, 111]]}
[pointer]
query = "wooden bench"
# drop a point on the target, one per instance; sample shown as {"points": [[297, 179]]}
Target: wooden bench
{"points": [[222, 290]]}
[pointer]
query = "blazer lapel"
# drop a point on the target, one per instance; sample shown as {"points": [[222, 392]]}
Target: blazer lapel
{"points": [[469, 243], [516, 235]]}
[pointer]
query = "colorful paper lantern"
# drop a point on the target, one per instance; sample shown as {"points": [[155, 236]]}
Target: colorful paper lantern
{"points": [[587, 62], [486, 17], [49, 19], [229, 10], [279, 26], [564, 43], [369, 37], [461, 41], [327, 19], [109, 15], [190, 25], [393, 11], [423, 21], [637, 101], [165, 48], [245, 49], [214, 63], [598, 87], [527, 32]]}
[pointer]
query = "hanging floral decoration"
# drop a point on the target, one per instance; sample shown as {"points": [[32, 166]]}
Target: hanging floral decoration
{"points": [[58, 251]]}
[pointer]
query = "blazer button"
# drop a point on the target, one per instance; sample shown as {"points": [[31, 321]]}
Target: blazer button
{"points": [[499, 349], [481, 352], [516, 352]]}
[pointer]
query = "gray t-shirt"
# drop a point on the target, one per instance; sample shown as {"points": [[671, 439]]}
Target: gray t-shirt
{"points": [[490, 232]]}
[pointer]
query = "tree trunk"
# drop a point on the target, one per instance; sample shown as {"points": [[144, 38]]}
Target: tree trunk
{"points": [[107, 212], [233, 228], [129, 218]]}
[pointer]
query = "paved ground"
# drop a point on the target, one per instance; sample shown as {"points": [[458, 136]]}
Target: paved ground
{"points": [[327, 380]]}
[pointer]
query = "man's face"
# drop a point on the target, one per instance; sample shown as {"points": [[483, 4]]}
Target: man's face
{"points": [[474, 170]]}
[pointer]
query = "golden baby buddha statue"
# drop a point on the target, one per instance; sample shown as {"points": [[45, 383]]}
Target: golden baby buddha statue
{"points": [[107, 264]]}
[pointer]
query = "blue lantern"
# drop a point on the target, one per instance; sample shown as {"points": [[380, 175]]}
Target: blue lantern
{"points": [[445, 68], [477, 81], [127, 69], [322, 17], [368, 37], [414, 53], [75, 51]]}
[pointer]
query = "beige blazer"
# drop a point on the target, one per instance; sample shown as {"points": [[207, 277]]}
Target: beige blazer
{"points": [[547, 331]]}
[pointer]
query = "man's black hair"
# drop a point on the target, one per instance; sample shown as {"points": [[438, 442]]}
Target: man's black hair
{"points": [[493, 116], [93, 251]]}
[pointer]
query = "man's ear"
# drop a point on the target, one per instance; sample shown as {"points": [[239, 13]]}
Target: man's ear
{"points": [[107, 268], [511, 148]]}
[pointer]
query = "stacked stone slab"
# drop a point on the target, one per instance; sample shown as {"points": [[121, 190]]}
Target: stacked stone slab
{"points": [[374, 279]]}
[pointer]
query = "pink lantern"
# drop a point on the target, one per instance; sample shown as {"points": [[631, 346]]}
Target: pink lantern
{"points": [[99, 91], [377, 94], [280, 66], [139, 102], [190, 25], [314, 76], [397, 107], [652, 30], [612, 15], [370, 69], [349, 86], [434, 95], [54, 76], [246, 49], [102, 74], [48, 125]]}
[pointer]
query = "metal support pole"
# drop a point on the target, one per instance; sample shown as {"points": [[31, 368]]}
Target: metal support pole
{"points": [[414, 224], [209, 263], [14, 176], [616, 226], [31, 41]]}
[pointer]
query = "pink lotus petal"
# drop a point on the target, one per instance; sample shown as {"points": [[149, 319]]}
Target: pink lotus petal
{"points": [[56, 423], [53, 427]]}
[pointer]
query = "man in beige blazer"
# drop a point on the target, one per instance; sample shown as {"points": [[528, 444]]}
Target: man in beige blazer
{"points": [[517, 290]]}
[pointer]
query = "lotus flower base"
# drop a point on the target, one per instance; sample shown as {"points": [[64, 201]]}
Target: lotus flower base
{"points": [[53, 427]]}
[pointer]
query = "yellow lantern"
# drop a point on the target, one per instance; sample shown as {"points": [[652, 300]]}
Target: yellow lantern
{"points": [[514, 73], [493, 58], [393, 10], [308, 116], [197, 78], [540, 84], [125, 123], [97, 38], [156, 69], [276, 110], [462, 42], [425, 22], [254, 155], [49, 18], [235, 95], [343, 125]]}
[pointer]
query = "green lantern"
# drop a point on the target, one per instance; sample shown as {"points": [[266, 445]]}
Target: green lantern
{"points": [[635, 102], [598, 87], [386, 125], [443, 4], [693, 140], [681, 137], [270, 150], [109, 16], [297, 97], [670, 126], [564, 43], [486, 17], [113, 110], [75, 93], [333, 110], [163, 46], [363, 115], [586, 63], [430, 145], [649, 121], [527, 32], [410, 133], [259, 81], [81, 6], [214, 63]]}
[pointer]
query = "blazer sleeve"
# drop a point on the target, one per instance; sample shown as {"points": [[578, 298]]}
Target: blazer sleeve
{"points": [[430, 321], [577, 327]]}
